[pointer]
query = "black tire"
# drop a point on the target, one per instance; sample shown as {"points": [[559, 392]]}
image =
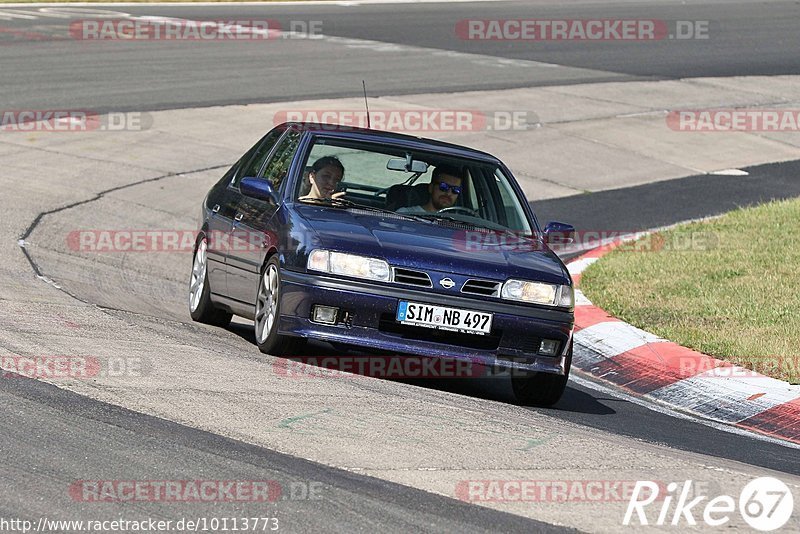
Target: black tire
{"points": [[201, 308], [540, 389], [268, 312]]}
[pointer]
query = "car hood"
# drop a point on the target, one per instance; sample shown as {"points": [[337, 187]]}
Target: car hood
{"points": [[441, 247]]}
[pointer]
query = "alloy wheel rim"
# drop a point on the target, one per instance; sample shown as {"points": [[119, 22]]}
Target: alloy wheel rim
{"points": [[198, 280], [267, 303]]}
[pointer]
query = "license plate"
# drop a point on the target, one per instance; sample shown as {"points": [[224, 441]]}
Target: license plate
{"points": [[442, 318]]}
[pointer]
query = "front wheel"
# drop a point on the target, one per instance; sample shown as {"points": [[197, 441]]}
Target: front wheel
{"points": [[268, 312], [201, 308], [540, 389]]}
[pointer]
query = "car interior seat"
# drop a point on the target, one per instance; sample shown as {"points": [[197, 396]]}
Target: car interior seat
{"points": [[401, 196]]}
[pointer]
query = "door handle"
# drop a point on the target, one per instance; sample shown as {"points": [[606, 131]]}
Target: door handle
{"points": [[239, 216], [215, 209]]}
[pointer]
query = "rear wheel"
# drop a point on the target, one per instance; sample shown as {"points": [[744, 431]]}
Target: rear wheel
{"points": [[201, 308], [540, 389], [268, 312]]}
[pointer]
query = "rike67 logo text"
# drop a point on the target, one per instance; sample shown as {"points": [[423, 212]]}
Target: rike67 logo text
{"points": [[765, 504]]}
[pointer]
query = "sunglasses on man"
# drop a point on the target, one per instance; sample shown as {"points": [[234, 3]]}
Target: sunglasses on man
{"points": [[444, 187]]}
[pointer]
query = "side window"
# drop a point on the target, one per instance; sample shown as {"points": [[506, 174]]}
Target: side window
{"points": [[278, 166], [256, 156], [510, 212]]}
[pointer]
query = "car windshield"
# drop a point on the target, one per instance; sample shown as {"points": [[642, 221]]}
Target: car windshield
{"points": [[423, 185]]}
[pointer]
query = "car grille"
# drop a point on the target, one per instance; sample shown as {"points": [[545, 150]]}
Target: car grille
{"points": [[486, 288], [412, 278], [388, 324]]}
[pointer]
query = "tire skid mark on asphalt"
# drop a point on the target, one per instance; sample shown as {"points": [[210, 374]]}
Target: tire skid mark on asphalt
{"points": [[287, 423], [314, 423]]}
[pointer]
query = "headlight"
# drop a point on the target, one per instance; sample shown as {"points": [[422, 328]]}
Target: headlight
{"points": [[539, 293], [348, 265]]}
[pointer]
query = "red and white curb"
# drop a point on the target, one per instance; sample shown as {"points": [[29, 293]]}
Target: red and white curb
{"points": [[647, 366]]}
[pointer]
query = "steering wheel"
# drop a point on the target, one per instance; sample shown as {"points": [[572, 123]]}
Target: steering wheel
{"points": [[460, 209]]}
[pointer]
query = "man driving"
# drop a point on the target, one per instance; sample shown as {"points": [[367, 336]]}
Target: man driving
{"points": [[444, 189]]}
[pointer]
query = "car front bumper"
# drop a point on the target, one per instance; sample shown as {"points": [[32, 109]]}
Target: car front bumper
{"points": [[371, 309]]}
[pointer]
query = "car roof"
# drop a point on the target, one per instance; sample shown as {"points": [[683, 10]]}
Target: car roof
{"points": [[381, 136]]}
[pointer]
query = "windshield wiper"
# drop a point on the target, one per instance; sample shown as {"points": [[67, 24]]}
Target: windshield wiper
{"points": [[316, 200], [344, 203], [384, 210], [494, 228]]}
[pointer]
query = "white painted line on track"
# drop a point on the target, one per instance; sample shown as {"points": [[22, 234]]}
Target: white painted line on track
{"points": [[730, 172], [13, 13], [752, 380], [350, 3], [577, 267], [479, 59], [730, 400], [589, 360], [614, 337], [35, 11], [581, 299]]}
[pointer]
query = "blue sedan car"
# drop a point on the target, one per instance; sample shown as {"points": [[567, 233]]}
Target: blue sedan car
{"points": [[386, 242]]}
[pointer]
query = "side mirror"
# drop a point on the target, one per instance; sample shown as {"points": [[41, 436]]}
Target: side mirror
{"points": [[556, 233], [260, 189]]}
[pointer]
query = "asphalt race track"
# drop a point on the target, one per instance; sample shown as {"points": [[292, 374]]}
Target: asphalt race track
{"points": [[749, 39], [381, 455]]}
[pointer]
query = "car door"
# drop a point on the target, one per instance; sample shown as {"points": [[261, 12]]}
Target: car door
{"points": [[249, 239], [219, 222], [222, 204]]}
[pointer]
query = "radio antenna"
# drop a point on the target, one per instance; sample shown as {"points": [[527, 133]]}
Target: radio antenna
{"points": [[366, 104]]}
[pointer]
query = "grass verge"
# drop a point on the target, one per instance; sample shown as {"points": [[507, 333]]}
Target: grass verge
{"points": [[729, 288]]}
